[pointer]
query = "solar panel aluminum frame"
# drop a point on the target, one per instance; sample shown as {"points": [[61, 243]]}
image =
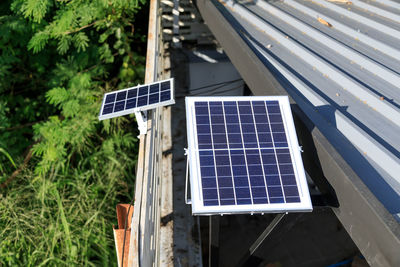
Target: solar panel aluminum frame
{"points": [[137, 109], [198, 207]]}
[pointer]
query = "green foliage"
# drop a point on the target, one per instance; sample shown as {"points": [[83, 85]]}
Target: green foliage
{"points": [[8, 156], [63, 220], [57, 59], [36, 10]]}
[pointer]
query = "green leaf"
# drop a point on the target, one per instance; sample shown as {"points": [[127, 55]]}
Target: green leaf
{"points": [[71, 108], [57, 96], [106, 54], [8, 156], [67, 233], [38, 41], [63, 44], [81, 41], [35, 9]]}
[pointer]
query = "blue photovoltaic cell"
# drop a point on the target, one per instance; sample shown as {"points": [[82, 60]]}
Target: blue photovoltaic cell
{"points": [[244, 154], [108, 108], [154, 98], [132, 93], [120, 105], [137, 97], [144, 90], [165, 95], [165, 86], [131, 103], [121, 96], [110, 98], [142, 101], [154, 88]]}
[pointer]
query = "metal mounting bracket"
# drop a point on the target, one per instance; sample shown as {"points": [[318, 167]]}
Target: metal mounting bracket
{"points": [[141, 118], [261, 238], [187, 200]]}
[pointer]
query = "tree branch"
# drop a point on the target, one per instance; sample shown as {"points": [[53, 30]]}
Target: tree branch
{"points": [[94, 66], [21, 126], [84, 27], [21, 167]]}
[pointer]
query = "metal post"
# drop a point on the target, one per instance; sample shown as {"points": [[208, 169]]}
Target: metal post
{"points": [[261, 238], [213, 248]]}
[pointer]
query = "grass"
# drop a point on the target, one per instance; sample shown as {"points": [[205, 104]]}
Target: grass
{"points": [[65, 219]]}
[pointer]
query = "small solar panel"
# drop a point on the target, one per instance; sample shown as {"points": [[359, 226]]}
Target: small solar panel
{"points": [[244, 156], [139, 98]]}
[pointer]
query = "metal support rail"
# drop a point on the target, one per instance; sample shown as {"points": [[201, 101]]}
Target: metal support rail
{"points": [[143, 248], [161, 229]]}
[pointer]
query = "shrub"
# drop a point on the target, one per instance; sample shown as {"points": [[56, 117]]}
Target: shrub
{"points": [[57, 59]]}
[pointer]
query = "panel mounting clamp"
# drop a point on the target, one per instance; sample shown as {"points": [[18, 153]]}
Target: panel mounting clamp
{"points": [[141, 118], [187, 201]]}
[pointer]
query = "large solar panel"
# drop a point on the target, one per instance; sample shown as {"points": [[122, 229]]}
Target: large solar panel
{"points": [[244, 156], [139, 98]]}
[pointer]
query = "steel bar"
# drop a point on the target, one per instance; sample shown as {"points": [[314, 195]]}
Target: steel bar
{"points": [[278, 217], [213, 246]]}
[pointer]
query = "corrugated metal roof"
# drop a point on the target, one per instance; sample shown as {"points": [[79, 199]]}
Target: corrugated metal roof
{"points": [[340, 61]]}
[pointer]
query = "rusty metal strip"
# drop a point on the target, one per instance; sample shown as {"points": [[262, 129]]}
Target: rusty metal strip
{"points": [[122, 216]]}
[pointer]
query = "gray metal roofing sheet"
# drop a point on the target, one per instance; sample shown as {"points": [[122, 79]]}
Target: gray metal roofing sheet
{"points": [[386, 5], [346, 74], [351, 22]]}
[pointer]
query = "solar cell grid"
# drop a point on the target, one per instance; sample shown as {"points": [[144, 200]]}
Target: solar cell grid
{"points": [[244, 155], [139, 98]]}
